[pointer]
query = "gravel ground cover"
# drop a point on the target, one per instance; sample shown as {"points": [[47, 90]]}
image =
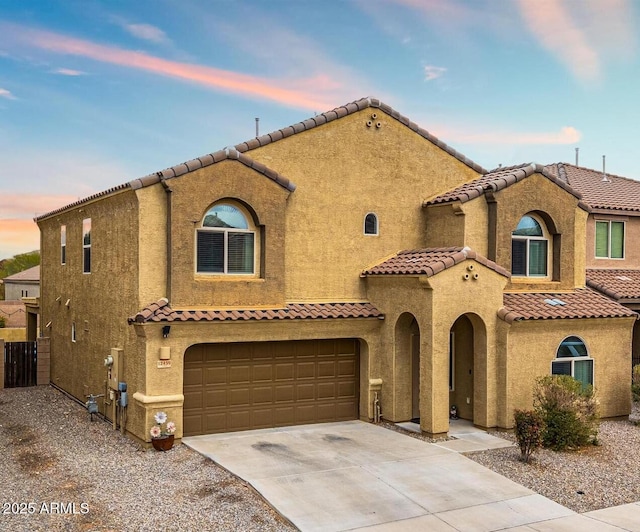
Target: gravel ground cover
{"points": [[589, 479], [83, 476]]}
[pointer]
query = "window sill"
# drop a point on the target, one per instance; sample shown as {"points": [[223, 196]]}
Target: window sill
{"points": [[228, 278]]}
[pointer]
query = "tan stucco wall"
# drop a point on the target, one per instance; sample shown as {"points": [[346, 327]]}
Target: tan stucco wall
{"points": [[193, 194], [632, 237], [533, 346], [99, 302], [152, 244], [343, 170], [538, 194], [13, 334]]}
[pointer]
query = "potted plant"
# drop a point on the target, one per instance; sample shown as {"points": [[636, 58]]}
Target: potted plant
{"points": [[162, 437]]}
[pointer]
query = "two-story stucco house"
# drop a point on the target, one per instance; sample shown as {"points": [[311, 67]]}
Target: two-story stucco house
{"points": [[301, 274]]}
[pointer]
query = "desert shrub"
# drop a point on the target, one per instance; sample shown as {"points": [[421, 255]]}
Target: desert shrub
{"points": [[635, 383], [529, 430], [569, 411], [3, 322]]}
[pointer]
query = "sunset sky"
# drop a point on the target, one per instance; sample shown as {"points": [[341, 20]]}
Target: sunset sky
{"points": [[96, 93]]}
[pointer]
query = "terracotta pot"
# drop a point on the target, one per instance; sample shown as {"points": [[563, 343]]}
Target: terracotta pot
{"points": [[164, 443]]}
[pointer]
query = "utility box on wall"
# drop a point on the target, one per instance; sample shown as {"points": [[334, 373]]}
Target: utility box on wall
{"points": [[116, 368]]}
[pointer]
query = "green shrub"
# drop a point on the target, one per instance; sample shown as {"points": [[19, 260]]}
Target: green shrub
{"points": [[635, 383], [3, 322], [529, 431], [569, 411]]}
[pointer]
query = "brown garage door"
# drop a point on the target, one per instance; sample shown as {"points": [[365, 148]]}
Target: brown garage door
{"points": [[242, 386]]}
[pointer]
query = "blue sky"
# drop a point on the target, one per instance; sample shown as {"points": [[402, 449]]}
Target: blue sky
{"points": [[96, 93]]}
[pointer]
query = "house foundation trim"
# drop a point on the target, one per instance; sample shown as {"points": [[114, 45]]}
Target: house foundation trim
{"points": [[176, 399]]}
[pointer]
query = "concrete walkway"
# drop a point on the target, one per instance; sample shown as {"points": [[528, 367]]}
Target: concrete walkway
{"points": [[356, 475]]}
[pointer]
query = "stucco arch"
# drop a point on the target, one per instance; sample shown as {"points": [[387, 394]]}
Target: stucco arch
{"points": [[407, 367], [468, 347]]}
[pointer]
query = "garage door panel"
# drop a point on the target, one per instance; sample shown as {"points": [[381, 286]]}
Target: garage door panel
{"points": [[262, 372], [215, 398], [239, 374], [285, 372], [305, 392], [262, 395], [239, 396], [326, 390], [326, 369], [193, 376], [346, 389], [193, 399], [285, 393], [284, 416], [215, 375], [346, 368], [230, 387]]}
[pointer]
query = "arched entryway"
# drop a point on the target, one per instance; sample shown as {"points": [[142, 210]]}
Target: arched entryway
{"points": [[461, 367], [407, 344], [467, 367]]}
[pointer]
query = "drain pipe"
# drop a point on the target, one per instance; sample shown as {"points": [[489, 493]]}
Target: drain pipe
{"points": [[169, 192]]}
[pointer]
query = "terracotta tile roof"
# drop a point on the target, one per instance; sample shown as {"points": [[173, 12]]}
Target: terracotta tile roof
{"points": [[429, 261], [32, 274], [581, 303], [161, 311], [617, 284], [237, 152], [499, 179], [618, 193], [181, 169], [348, 109]]}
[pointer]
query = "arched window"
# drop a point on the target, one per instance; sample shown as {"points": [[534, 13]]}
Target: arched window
{"points": [[225, 241], [529, 249], [572, 358], [371, 224]]}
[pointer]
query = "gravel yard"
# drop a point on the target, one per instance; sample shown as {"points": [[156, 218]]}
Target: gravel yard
{"points": [[589, 479], [52, 453]]}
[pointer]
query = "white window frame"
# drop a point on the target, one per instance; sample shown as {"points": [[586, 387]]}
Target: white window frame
{"points": [[364, 224], [574, 359], [226, 232], [527, 239], [595, 239]]}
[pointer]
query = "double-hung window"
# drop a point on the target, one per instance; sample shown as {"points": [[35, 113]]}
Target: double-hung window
{"points": [[225, 242], [572, 358], [609, 239], [529, 249]]}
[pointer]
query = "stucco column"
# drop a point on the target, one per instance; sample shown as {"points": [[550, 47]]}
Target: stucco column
{"points": [[434, 381], [44, 361]]}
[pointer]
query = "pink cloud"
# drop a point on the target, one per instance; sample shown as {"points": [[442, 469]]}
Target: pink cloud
{"points": [[433, 72], [18, 236], [147, 32], [13, 205], [315, 93], [566, 135], [4, 93], [555, 29], [68, 72]]}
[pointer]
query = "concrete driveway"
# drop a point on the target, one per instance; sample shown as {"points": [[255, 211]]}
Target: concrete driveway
{"points": [[353, 475]]}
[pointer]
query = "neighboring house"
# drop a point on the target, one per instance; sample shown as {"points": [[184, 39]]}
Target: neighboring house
{"points": [[301, 274], [22, 284], [613, 235]]}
